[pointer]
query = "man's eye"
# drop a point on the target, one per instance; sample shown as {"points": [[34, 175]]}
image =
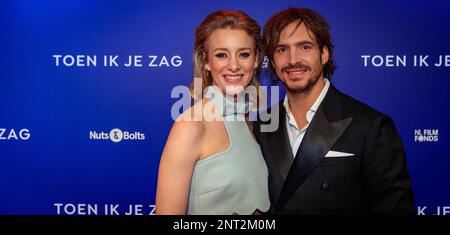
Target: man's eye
{"points": [[281, 50], [306, 47]]}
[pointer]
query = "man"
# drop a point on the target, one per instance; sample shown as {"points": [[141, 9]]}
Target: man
{"points": [[331, 153]]}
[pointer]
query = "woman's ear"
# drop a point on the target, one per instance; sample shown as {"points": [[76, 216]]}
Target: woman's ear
{"points": [[257, 62]]}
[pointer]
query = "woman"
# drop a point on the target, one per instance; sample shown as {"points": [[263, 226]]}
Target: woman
{"points": [[214, 165]]}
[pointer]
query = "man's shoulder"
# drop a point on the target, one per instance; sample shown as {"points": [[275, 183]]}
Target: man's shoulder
{"points": [[354, 107]]}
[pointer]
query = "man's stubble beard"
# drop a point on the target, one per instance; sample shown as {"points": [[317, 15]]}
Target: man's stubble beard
{"points": [[304, 90]]}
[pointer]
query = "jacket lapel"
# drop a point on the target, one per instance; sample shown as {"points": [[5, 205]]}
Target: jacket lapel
{"points": [[280, 146], [319, 138]]}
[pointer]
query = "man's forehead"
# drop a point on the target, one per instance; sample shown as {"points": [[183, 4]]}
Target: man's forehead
{"points": [[297, 28]]}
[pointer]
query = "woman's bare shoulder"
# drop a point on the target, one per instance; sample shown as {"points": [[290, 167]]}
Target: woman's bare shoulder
{"points": [[190, 124]]}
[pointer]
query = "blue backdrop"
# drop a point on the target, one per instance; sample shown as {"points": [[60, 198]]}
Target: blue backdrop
{"points": [[58, 106]]}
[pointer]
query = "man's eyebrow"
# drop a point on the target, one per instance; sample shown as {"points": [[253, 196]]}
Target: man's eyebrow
{"points": [[297, 43], [281, 45], [304, 42]]}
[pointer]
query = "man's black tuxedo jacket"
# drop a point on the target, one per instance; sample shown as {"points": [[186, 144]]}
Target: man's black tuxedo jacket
{"points": [[374, 180]]}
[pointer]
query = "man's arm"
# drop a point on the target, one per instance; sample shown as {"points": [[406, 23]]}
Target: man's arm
{"points": [[387, 179]]}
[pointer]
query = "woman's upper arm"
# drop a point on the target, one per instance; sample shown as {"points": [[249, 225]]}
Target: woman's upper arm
{"points": [[176, 167]]}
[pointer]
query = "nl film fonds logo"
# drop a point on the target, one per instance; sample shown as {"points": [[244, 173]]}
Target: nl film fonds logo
{"points": [[426, 135], [116, 135]]}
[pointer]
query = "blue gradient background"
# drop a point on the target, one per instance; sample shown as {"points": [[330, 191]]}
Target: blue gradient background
{"points": [[60, 105]]}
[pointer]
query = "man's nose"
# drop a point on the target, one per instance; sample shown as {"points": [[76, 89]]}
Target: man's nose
{"points": [[294, 56]]}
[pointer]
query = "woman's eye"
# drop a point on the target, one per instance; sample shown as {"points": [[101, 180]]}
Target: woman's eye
{"points": [[221, 55], [245, 54]]}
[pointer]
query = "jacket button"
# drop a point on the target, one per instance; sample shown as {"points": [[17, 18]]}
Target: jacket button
{"points": [[325, 186]]}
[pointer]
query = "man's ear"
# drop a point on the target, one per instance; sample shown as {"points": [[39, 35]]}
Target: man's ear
{"points": [[207, 68], [325, 55]]}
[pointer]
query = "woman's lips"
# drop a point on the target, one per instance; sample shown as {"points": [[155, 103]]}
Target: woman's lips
{"points": [[233, 78]]}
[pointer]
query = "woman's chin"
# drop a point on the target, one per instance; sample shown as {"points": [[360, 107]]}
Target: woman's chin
{"points": [[232, 90]]}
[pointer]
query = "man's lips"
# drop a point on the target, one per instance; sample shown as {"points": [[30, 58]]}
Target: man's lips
{"points": [[295, 71]]}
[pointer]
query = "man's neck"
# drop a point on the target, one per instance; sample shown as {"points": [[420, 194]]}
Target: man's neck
{"points": [[300, 103]]}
